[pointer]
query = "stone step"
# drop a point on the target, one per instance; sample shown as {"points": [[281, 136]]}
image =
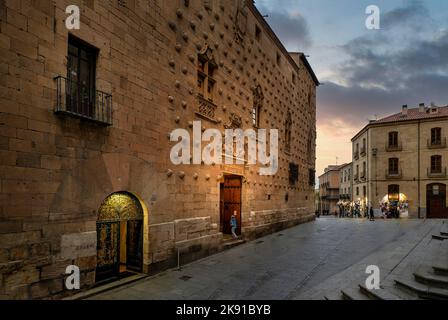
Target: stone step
{"points": [[106, 287], [232, 243], [378, 294], [423, 291], [444, 229], [402, 294], [440, 270], [439, 237], [353, 294], [333, 296], [432, 280]]}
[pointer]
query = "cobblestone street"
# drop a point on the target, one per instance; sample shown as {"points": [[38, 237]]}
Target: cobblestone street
{"points": [[298, 263]]}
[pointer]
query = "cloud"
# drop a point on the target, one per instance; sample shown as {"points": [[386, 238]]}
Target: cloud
{"points": [[385, 70], [291, 26]]}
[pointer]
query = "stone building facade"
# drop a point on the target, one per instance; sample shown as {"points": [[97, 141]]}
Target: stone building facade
{"points": [[86, 117], [345, 179], [329, 184], [406, 159]]}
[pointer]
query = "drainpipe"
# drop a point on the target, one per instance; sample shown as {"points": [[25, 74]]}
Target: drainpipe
{"points": [[418, 171]]}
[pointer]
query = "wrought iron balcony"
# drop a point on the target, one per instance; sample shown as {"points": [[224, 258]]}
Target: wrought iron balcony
{"points": [[83, 102], [394, 147], [396, 174], [436, 144], [363, 151], [436, 173], [363, 176], [206, 108]]}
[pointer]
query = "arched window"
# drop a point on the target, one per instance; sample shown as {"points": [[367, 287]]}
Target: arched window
{"points": [[393, 192]]}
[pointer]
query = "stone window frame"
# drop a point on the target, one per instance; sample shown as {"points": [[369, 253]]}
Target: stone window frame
{"points": [[206, 67], [436, 163], [393, 165], [288, 130], [393, 139], [436, 136]]}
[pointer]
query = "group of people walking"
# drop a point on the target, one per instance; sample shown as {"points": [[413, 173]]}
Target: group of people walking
{"points": [[355, 210]]}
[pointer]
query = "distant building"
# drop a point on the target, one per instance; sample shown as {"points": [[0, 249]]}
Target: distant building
{"points": [[345, 181], [401, 160], [329, 190]]}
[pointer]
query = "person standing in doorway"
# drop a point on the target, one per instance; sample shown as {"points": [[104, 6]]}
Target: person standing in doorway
{"points": [[234, 225]]}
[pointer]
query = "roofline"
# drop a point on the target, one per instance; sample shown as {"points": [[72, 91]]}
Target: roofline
{"points": [[346, 165], [333, 169], [382, 124], [277, 41]]}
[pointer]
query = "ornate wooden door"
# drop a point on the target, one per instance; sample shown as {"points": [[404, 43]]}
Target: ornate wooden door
{"points": [[232, 202]]}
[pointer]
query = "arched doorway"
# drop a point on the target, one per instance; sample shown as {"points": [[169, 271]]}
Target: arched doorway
{"points": [[436, 201], [119, 236]]}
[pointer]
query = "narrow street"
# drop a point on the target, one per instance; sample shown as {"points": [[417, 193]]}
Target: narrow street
{"points": [[291, 264]]}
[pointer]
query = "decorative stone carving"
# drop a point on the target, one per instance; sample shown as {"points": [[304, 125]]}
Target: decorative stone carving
{"points": [[172, 25], [235, 122], [206, 108]]}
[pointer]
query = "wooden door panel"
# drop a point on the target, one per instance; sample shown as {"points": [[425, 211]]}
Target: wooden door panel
{"points": [[436, 203], [231, 202]]}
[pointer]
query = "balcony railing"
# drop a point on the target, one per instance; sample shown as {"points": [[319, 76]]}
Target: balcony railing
{"points": [[437, 173], [363, 176], [394, 147], [206, 108], [355, 177], [437, 144], [356, 155], [80, 101], [396, 174], [363, 151]]}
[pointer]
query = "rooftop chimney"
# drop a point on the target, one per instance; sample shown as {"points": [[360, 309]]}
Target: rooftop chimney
{"points": [[404, 109], [421, 107]]}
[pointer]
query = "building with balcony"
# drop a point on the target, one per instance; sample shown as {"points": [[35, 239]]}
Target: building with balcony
{"points": [[86, 123], [329, 186], [405, 161], [345, 182]]}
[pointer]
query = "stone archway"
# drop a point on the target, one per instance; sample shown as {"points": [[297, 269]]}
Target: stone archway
{"points": [[119, 236], [84, 188]]}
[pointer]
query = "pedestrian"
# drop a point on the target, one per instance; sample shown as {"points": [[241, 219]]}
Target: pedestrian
{"points": [[372, 216], [234, 225]]}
